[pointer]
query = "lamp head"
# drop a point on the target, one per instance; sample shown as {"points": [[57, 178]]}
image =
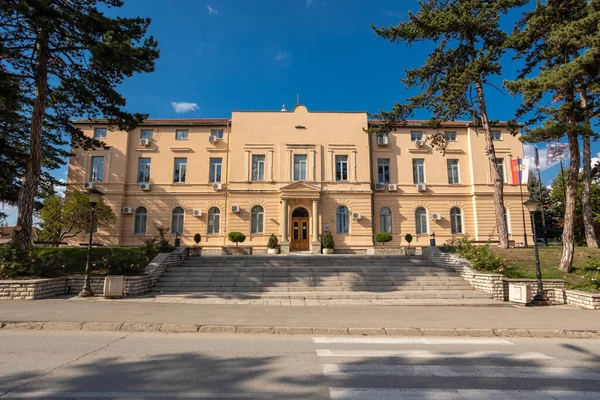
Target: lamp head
{"points": [[94, 195], [532, 205]]}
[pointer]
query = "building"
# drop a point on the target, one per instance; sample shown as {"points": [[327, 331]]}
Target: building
{"points": [[296, 174]]}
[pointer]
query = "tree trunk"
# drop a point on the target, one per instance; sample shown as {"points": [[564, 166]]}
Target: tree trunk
{"points": [[586, 189], [566, 260], [496, 174], [31, 178]]}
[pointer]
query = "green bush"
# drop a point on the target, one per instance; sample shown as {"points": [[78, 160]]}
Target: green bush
{"points": [[158, 243], [482, 258], [236, 237], [590, 272], [197, 238], [327, 240], [273, 242], [383, 237], [408, 237]]}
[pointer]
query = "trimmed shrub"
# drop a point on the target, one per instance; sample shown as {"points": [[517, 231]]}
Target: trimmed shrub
{"points": [[273, 242], [197, 239], [327, 240], [236, 237], [383, 237], [408, 237]]}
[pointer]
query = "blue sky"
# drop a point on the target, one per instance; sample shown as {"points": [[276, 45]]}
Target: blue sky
{"points": [[219, 56]]}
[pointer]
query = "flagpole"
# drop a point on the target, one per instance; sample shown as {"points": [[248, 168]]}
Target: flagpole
{"points": [[543, 208], [522, 201]]}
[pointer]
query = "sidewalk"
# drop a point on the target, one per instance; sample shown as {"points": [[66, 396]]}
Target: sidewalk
{"points": [[555, 321]]}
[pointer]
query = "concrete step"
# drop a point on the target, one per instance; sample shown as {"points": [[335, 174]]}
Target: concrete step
{"points": [[225, 287]]}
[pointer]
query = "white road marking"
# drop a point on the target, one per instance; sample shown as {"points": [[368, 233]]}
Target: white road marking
{"points": [[410, 340], [458, 394], [42, 394], [432, 354], [451, 371]]}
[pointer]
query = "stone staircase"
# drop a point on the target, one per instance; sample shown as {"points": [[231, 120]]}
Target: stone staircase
{"points": [[343, 277]]}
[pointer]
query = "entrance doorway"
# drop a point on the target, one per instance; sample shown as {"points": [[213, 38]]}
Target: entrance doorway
{"points": [[300, 230]]}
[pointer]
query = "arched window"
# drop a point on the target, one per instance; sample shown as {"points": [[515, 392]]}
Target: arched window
{"points": [[139, 222], [385, 220], [177, 220], [257, 221], [421, 221], [456, 220], [214, 221], [342, 219]]}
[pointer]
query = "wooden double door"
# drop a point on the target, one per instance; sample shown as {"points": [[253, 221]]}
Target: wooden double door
{"points": [[300, 230]]}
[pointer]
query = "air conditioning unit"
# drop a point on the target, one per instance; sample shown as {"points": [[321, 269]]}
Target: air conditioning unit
{"points": [[127, 210], [419, 143], [88, 185], [421, 187], [355, 215], [145, 186], [212, 139], [217, 186], [235, 209], [392, 187], [382, 140], [145, 142], [380, 186], [197, 213], [436, 216]]}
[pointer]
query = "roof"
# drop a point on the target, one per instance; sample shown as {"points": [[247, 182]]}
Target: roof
{"points": [[422, 122], [165, 121]]}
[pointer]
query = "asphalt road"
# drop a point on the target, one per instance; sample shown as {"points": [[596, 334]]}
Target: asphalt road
{"points": [[107, 365]]}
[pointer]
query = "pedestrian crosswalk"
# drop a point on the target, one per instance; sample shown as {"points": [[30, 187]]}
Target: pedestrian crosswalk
{"points": [[453, 368]]}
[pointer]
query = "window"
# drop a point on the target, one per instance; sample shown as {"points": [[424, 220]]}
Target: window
{"points": [[177, 220], [385, 220], [341, 168], [144, 170], [215, 169], [218, 133], [97, 169], [418, 170], [180, 170], [507, 219], [450, 136], [500, 164], [214, 221], [139, 223], [257, 220], [342, 219], [383, 170], [421, 221], [416, 135], [456, 220], [496, 135], [258, 167], [181, 134], [146, 134], [453, 174], [300, 167], [100, 133]]}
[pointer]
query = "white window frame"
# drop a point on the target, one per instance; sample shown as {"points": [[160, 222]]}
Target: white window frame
{"points": [[215, 168], [145, 174], [416, 135], [100, 136], [382, 218], [417, 222], [451, 136], [257, 220], [180, 219], [496, 134], [137, 221], [181, 134], [218, 133], [415, 163], [97, 172], [502, 169], [341, 161], [144, 134], [456, 219], [453, 172], [182, 167], [301, 160], [344, 229], [213, 225], [258, 167]]}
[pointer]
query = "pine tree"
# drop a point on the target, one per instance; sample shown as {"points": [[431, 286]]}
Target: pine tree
{"points": [[66, 57], [559, 41], [551, 218], [469, 44]]}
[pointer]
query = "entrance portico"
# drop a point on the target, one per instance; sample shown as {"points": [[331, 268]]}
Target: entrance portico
{"points": [[297, 201]]}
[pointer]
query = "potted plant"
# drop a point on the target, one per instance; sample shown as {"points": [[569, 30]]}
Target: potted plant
{"points": [[409, 251], [383, 237], [236, 237], [327, 243], [273, 244], [196, 250]]}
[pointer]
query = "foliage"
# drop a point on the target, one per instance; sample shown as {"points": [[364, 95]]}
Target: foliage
{"points": [[158, 243], [197, 239], [327, 240], [552, 219], [408, 237], [383, 237], [482, 258], [236, 237], [68, 217], [590, 272], [62, 59], [273, 242]]}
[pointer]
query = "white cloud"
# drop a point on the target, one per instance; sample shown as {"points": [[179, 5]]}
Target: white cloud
{"points": [[529, 152], [60, 189], [212, 10], [11, 213], [282, 55], [184, 107]]}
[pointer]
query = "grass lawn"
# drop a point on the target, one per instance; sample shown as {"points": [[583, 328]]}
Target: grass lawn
{"points": [[521, 264]]}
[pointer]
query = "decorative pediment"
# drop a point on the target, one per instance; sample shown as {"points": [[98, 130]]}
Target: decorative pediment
{"points": [[300, 190]]}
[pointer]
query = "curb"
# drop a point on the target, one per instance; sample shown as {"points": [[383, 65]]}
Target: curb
{"points": [[287, 330]]}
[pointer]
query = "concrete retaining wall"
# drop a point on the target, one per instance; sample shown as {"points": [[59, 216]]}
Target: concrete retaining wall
{"points": [[577, 298]]}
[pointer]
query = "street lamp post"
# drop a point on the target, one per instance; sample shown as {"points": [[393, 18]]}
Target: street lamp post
{"points": [[540, 298], [94, 195]]}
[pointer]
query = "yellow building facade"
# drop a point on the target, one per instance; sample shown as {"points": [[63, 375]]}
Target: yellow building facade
{"points": [[296, 174]]}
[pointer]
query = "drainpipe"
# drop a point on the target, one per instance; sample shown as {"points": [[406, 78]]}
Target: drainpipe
{"points": [[226, 191], [371, 187]]}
